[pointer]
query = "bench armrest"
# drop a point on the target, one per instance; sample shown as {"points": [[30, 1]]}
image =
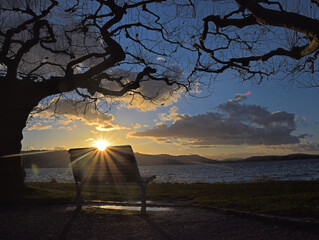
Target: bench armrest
{"points": [[148, 179]]}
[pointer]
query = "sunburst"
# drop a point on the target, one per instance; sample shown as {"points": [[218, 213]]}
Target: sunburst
{"points": [[101, 144]]}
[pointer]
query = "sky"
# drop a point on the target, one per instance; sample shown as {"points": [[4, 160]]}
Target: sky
{"points": [[235, 119]]}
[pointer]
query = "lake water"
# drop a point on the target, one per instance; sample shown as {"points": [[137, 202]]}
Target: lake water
{"points": [[212, 173]]}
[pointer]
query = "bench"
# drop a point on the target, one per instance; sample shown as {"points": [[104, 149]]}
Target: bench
{"points": [[116, 165]]}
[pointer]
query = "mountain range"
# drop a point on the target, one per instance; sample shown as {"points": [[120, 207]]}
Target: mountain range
{"points": [[60, 159]]}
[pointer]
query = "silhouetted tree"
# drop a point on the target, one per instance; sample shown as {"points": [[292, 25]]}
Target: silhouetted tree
{"points": [[49, 47], [260, 38], [89, 47]]}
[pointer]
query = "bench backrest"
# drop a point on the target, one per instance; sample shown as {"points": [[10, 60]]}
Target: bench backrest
{"points": [[115, 165]]}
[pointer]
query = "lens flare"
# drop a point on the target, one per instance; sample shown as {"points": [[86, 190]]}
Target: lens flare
{"points": [[101, 144]]}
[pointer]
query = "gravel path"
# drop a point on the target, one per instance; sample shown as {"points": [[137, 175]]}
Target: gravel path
{"points": [[49, 222]]}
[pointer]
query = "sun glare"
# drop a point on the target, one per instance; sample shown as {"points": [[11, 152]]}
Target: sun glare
{"points": [[101, 145]]}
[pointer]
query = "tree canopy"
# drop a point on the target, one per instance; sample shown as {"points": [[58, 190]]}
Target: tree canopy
{"points": [[261, 39], [118, 48], [61, 46]]}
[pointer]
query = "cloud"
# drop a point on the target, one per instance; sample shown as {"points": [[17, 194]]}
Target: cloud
{"points": [[233, 124], [160, 59], [66, 121], [110, 127], [59, 148], [137, 126], [241, 96], [307, 147], [256, 114], [173, 115], [69, 128], [29, 148], [151, 94], [38, 126], [74, 109], [3, 67]]}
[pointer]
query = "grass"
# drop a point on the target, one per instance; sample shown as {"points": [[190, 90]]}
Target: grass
{"points": [[295, 199], [292, 198]]}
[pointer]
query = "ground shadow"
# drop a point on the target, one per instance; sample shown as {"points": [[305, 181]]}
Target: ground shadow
{"points": [[156, 228], [68, 225]]}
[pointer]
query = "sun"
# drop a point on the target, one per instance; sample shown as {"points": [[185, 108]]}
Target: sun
{"points": [[101, 144]]}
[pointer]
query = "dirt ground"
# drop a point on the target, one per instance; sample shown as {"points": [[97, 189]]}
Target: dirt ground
{"points": [[50, 222]]}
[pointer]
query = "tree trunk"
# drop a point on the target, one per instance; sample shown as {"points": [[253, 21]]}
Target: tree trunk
{"points": [[15, 106], [11, 172]]}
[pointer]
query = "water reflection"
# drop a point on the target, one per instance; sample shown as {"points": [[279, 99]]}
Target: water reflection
{"points": [[133, 208], [121, 207]]}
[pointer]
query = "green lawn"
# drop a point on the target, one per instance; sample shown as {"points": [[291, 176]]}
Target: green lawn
{"points": [[293, 198]]}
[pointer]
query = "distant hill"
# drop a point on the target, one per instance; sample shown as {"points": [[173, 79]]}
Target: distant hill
{"points": [[46, 159], [60, 159], [166, 159], [297, 156]]}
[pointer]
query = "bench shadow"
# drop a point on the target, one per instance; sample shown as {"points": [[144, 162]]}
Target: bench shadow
{"points": [[156, 228], [68, 225]]}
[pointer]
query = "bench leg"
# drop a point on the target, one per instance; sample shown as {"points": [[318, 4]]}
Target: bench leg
{"points": [[78, 195], [143, 200]]}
